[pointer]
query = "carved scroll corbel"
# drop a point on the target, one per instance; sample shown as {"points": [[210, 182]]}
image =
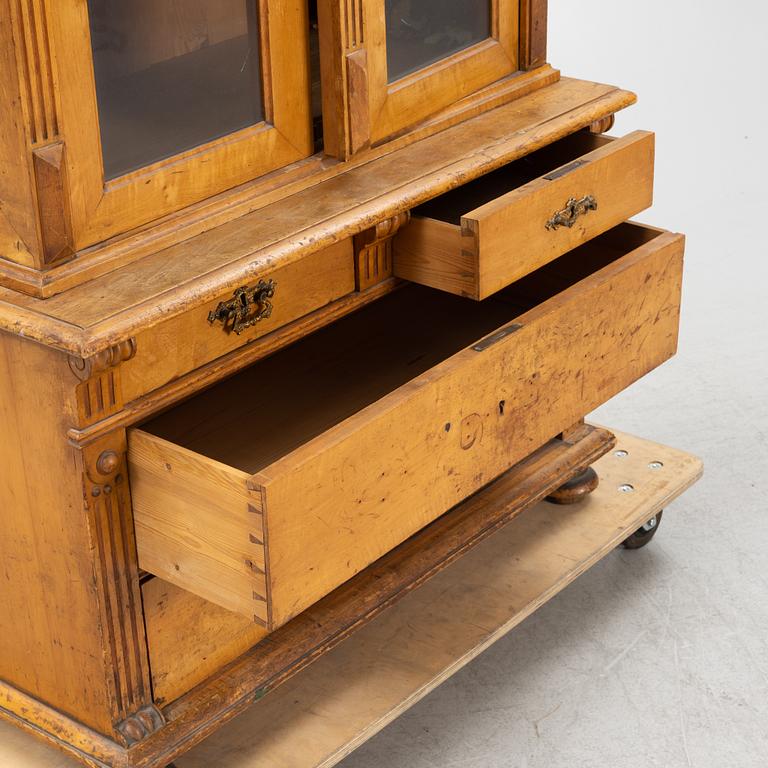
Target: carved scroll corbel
{"points": [[373, 251], [603, 125], [99, 393]]}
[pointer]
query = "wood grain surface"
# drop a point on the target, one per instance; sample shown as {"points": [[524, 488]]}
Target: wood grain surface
{"points": [[172, 277], [479, 250], [335, 705], [328, 470]]}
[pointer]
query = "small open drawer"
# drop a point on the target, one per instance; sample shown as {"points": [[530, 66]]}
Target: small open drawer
{"points": [[272, 488], [484, 235]]}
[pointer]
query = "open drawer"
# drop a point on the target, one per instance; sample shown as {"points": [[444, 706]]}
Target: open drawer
{"points": [[269, 490], [484, 235]]}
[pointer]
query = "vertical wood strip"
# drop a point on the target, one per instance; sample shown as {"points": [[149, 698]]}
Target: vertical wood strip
{"points": [[109, 624], [47, 83], [354, 37], [118, 572], [36, 70], [533, 34]]}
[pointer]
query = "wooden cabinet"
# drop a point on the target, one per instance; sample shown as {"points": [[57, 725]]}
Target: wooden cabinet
{"points": [[134, 118], [282, 283]]}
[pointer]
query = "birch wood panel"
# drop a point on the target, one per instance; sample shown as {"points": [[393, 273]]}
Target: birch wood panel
{"points": [[354, 455], [301, 288], [512, 235], [334, 706]]}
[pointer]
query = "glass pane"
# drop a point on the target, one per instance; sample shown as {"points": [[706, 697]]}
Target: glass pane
{"points": [[421, 32], [172, 75]]}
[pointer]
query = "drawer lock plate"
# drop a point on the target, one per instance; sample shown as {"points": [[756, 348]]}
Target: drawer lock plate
{"points": [[248, 307], [573, 210]]}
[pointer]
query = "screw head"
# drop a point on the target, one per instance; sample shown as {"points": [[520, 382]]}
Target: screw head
{"points": [[655, 465], [651, 524], [621, 454], [627, 488]]}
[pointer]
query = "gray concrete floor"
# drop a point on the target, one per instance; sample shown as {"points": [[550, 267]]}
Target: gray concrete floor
{"points": [[657, 657]]}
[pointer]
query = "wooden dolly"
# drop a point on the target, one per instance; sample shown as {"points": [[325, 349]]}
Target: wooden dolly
{"points": [[330, 708]]}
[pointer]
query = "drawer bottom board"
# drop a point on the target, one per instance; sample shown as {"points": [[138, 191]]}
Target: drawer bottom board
{"points": [[333, 707]]}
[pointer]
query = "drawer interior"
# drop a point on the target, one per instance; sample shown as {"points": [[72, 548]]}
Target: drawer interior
{"points": [[283, 401], [451, 206]]}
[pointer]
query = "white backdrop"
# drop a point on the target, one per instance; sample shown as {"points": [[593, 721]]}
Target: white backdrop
{"points": [[659, 657]]}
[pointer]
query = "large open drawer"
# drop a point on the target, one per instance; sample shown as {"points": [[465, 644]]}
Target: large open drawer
{"points": [[488, 233], [269, 490]]}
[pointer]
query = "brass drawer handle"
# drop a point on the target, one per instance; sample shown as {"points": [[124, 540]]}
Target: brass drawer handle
{"points": [[250, 306], [573, 210]]}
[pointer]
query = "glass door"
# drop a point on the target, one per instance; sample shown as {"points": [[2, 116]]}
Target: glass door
{"points": [[172, 76], [169, 102], [423, 33]]}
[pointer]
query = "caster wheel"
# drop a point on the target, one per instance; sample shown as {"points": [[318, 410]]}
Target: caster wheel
{"points": [[643, 536]]}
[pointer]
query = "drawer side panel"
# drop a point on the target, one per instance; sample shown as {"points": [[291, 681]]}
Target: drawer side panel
{"points": [[198, 526]]}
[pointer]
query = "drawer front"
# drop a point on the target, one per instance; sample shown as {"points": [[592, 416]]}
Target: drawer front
{"points": [[516, 233], [270, 544], [300, 288]]}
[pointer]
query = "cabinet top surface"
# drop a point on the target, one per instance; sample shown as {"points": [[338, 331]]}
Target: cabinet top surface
{"points": [[350, 199]]}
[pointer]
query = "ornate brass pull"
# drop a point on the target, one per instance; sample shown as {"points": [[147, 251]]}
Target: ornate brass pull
{"points": [[573, 209], [250, 306]]}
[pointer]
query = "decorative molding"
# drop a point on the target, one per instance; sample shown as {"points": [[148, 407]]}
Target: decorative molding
{"points": [[354, 135], [141, 725], [603, 125], [35, 65], [84, 369], [353, 27], [53, 203], [373, 251], [99, 394], [108, 500]]}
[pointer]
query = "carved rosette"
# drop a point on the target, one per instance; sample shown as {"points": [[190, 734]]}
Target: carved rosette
{"points": [[100, 393], [373, 251]]}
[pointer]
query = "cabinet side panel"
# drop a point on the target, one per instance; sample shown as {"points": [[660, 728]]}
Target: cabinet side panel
{"points": [[50, 629]]}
